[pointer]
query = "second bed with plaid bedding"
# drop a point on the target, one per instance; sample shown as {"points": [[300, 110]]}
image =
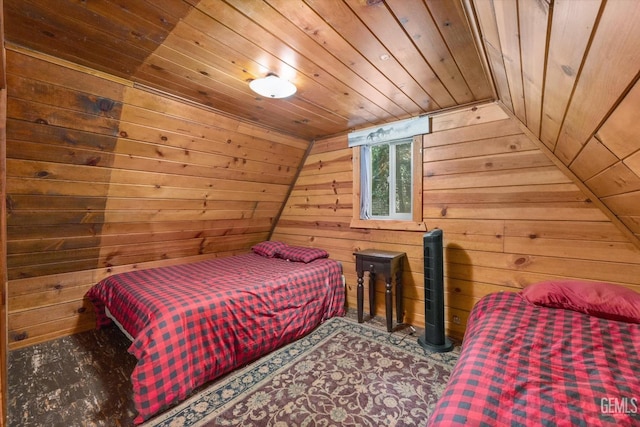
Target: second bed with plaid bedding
{"points": [[194, 322], [525, 365]]}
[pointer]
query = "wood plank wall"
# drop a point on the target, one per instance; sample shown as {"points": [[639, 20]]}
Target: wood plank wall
{"points": [[510, 216], [569, 70], [104, 177], [4, 342]]}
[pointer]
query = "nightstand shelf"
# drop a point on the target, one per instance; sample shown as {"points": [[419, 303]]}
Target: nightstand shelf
{"points": [[389, 264]]}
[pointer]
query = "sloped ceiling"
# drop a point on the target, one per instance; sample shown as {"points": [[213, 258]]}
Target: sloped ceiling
{"points": [[355, 62], [567, 69]]}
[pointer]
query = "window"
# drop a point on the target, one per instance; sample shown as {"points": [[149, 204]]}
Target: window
{"points": [[387, 175], [389, 170], [388, 185]]}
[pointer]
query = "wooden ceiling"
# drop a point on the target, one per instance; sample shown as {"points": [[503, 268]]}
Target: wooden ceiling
{"points": [[355, 62]]}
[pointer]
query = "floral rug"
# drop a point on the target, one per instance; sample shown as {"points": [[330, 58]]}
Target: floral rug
{"points": [[343, 373]]}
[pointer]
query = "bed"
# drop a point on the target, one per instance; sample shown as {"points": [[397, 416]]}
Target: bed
{"points": [[191, 323], [559, 353]]}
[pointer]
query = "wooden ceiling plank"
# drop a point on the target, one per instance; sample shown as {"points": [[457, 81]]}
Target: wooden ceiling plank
{"points": [[172, 8], [491, 41], [184, 67], [203, 51], [633, 222], [385, 28], [626, 204], [161, 16], [593, 159], [620, 133], [633, 162], [80, 20], [221, 102], [372, 82], [614, 51], [303, 105], [506, 13], [132, 21], [301, 49], [216, 38], [450, 18], [42, 37], [534, 19], [571, 28], [342, 19], [616, 179], [417, 22]]}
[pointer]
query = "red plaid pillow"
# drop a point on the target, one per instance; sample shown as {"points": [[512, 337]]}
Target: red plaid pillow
{"points": [[302, 254], [269, 249], [605, 300]]}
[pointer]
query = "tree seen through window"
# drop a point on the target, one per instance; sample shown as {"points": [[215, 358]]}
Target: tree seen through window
{"points": [[391, 179]]}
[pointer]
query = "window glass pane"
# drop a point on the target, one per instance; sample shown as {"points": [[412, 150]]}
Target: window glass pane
{"points": [[403, 178], [380, 180]]}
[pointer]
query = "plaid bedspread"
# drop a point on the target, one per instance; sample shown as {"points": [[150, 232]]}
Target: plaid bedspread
{"points": [[194, 322], [523, 365]]}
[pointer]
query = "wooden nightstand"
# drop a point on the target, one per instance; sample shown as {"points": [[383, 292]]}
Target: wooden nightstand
{"points": [[389, 264]]}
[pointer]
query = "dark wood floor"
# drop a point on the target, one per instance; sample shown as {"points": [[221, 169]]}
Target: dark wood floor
{"points": [[82, 380]]}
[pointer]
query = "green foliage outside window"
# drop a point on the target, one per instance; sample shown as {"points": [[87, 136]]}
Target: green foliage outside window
{"points": [[380, 180], [391, 181], [403, 178]]}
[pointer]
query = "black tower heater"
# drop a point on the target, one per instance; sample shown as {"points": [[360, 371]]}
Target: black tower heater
{"points": [[433, 338]]}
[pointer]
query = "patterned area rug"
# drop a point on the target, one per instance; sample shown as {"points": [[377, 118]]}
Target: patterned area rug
{"points": [[343, 373]]}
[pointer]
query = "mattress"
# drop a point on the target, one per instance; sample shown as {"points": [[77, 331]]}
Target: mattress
{"points": [[191, 323], [524, 365]]}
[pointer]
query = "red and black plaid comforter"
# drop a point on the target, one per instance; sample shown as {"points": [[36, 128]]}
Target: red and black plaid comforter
{"points": [[193, 322], [523, 365]]}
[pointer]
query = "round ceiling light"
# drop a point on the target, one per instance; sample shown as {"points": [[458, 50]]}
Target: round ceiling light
{"points": [[272, 86]]}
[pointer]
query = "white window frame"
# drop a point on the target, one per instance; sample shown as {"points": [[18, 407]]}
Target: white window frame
{"points": [[366, 200], [416, 221]]}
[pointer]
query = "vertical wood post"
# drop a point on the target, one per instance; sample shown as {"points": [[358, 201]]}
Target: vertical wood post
{"points": [[3, 226]]}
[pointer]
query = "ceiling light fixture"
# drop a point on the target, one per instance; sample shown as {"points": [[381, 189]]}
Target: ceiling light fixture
{"points": [[272, 86]]}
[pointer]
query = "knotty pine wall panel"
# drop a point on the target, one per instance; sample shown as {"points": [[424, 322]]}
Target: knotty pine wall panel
{"points": [[3, 231], [104, 177], [588, 122], [510, 216]]}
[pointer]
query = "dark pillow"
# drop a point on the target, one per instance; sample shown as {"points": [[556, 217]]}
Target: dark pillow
{"points": [[269, 249], [599, 299], [302, 254]]}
